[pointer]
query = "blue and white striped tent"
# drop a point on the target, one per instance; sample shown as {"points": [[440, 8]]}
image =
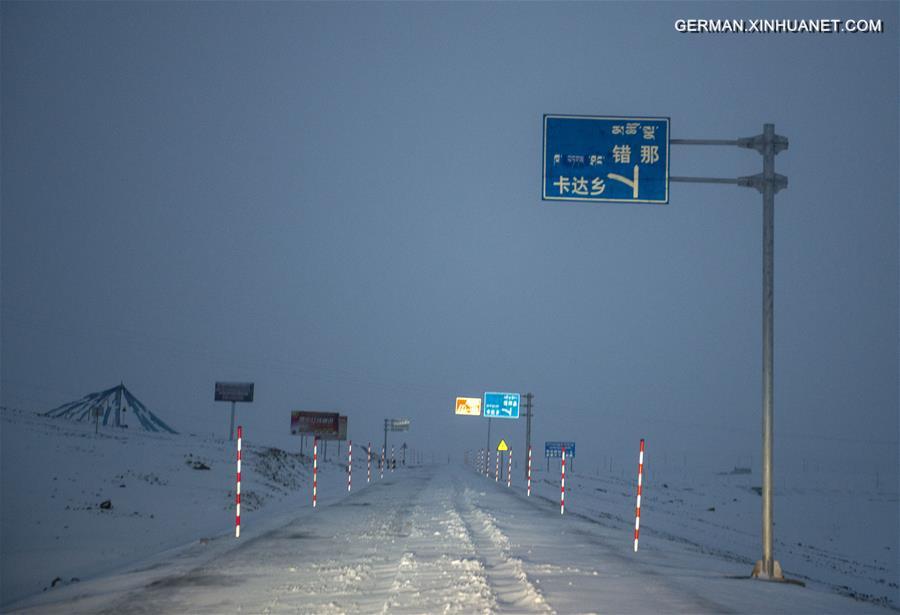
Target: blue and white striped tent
{"points": [[114, 405]]}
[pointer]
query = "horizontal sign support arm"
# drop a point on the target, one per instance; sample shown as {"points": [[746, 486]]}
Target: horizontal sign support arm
{"points": [[705, 141], [705, 180], [779, 142], [753, 181]]}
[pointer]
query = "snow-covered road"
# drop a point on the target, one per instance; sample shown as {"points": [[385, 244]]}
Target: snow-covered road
{"points": [[441, 539]]}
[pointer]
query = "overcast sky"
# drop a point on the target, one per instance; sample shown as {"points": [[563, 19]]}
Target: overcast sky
{"points": [[341, 202]]}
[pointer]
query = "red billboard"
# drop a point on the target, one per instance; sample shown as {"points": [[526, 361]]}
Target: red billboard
{"points": [[318, 423], [342, 431]]}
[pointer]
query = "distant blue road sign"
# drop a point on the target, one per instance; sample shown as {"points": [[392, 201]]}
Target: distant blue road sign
{"points": [[606, 159], [501, 406], [554, 449]]}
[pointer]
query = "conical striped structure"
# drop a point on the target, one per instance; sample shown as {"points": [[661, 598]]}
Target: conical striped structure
{"points": [[114, 405]]}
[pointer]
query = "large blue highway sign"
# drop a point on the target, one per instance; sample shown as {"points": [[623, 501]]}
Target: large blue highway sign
{"points": [[606, 159], [554, 449], [501, 406]]}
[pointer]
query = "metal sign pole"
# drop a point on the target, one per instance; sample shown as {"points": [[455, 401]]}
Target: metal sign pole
{"points": [[528, 411], [233, 392], [769, 565], [385, 435], [768, 144], [489, 436]]}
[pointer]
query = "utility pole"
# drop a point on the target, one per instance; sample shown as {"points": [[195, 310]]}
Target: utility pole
{"points": [[529, 397]]}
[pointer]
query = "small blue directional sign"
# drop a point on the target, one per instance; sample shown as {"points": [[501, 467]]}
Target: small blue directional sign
{"points": [[554, 449], [501, 406], [606, 159]]}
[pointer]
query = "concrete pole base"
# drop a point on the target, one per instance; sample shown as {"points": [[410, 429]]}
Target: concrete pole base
{"points": [[759, 572]]}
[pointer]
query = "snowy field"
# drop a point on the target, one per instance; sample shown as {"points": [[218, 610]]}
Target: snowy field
{"points": [[56, 473], [426, 539], [823, 535]]}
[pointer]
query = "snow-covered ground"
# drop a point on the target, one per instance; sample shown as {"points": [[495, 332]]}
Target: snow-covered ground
{"points": [[424, 539], [56, 473], [823, 535]]}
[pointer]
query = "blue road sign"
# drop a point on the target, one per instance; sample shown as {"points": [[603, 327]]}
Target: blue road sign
{"points": [[554, 449], [606, 159], [501, 406]]}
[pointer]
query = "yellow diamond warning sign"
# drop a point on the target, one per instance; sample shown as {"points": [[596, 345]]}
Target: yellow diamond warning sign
{"points": [[502, 446]]}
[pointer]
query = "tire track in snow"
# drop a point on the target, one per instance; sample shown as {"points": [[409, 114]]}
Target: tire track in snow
{"points": [[413, 554], [360, 566], [438, 570], [509, 583]]}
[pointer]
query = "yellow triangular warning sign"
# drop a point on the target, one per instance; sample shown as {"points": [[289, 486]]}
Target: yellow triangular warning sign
{"points": [[502, 446]]}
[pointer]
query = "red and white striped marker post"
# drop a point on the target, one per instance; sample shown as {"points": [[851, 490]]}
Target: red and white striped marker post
{"points": [[349, 464], [528, 493], [315, 467], [562, 485], [369, 463], [509, 469], [637, 510], [497, 468], [382, 462], [237, 492]]}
